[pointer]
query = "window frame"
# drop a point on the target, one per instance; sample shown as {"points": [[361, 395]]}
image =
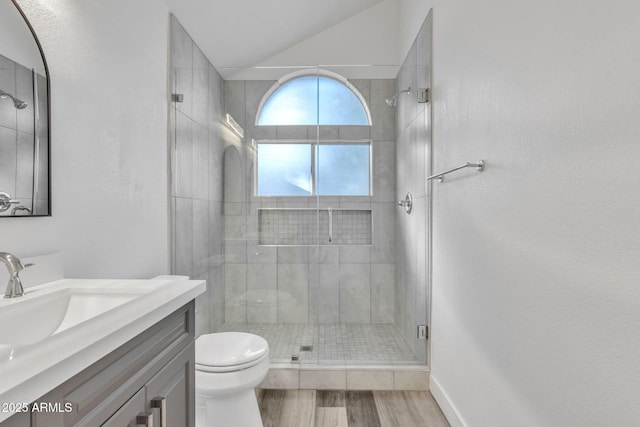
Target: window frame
{"points": [[313, 146]]}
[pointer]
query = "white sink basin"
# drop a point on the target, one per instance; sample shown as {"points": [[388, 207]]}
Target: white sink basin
{"points": [[36, 317]]}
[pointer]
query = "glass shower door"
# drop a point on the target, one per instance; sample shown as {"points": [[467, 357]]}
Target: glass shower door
{"points": [[343, 187]]}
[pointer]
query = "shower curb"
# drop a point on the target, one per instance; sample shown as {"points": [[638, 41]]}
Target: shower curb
{"points": [[340, 377]]}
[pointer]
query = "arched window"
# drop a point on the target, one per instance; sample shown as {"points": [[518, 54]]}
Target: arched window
{"points": [[313, 100], [312, 167]]}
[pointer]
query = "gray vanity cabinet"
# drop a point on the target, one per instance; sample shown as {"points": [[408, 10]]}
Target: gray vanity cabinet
{"points": [[150, 380], [127, 415], [18, 420], [170, 392]]}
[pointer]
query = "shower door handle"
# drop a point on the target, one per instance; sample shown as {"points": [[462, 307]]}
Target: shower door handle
{"points": [[330, 225]]}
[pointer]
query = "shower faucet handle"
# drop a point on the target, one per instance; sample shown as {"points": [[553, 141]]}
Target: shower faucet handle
{"points": [[407, 203], [6, 201]]}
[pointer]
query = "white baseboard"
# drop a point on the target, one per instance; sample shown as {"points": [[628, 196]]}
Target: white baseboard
{"points": [[448, 408]]}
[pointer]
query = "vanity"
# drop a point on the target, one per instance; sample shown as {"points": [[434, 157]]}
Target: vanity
{"points": [[99, 352]]}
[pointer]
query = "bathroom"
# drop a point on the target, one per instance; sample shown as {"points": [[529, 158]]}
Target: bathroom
{"points": [[532, 302]]}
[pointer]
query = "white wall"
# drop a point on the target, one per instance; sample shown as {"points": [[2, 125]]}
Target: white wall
{"points": [[108, 65], [536, 306], [411, 16], [369, 37], [240, 34]]}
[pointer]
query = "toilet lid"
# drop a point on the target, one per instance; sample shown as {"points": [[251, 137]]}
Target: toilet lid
{"points": [[229, 349]]}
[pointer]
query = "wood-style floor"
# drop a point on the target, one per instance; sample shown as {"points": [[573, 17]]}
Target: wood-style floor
{"points": [[324, 408]]}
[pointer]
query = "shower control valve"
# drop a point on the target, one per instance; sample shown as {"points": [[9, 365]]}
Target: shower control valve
{"points": [[6, 202], [407, 203]]}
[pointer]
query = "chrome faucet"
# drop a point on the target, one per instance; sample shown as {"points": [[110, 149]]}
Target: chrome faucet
{"points": [[14, 266]]}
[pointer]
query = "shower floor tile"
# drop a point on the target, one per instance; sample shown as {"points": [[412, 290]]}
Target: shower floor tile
{"points": [[333, 343]]}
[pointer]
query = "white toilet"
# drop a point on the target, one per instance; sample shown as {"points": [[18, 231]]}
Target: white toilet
{"points": [[229, 365]]}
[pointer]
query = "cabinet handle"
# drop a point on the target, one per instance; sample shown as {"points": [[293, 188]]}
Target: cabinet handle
{"points": [[161, 404], [144, 419]]}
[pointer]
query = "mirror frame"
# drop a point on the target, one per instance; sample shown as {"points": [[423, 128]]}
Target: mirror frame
{"points": [[46, 69]]}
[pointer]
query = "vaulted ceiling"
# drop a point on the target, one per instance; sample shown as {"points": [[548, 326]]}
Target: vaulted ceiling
{"points": [[240, 34]]}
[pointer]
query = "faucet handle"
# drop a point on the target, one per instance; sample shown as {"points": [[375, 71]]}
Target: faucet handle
{"points": [[31, 264], [14, 266]]}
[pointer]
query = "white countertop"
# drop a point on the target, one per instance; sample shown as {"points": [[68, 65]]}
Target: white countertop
{"points": [[29, 372]]}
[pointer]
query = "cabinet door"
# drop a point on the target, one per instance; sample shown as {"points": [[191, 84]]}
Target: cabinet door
{"points": [[18, 420], [102, 389], [171, 392], [127, 415]]}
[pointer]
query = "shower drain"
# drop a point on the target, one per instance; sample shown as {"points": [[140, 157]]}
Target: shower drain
{"points": [[295, 358]]}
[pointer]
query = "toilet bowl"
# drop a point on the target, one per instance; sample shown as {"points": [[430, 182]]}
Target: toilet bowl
{"points": [[229, 365]]}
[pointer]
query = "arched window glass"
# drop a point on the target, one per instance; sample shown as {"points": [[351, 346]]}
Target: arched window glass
{"points": [[338, 105], [313, 167], [313, 100]]}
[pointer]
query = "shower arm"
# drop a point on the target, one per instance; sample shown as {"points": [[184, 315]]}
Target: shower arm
{"points": [[16, 102], [391, 102]]}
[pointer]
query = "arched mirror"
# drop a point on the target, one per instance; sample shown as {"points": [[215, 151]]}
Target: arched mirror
{"points": [[24, 118]]}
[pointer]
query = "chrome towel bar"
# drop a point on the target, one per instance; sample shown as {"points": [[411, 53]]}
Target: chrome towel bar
{"points": [[440, 176]]}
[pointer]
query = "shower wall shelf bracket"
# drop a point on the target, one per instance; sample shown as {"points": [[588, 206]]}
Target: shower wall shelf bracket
{"points": [[440, 176]]}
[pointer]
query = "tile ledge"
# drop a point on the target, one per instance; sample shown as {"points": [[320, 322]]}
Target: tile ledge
{"points": [[336, 367]]}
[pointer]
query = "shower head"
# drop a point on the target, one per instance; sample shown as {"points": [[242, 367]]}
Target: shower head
{"points": [[393, 101], [18, 103]]}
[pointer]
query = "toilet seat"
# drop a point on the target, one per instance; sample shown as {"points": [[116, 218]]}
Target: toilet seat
{"points": [[229, 351], [207, 368]]}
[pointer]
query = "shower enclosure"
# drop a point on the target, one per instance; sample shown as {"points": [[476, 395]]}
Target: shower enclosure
{"points": [[285, 190]]}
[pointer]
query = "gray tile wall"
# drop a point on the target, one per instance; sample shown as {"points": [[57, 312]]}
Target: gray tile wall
{"points": [[338, 284], [413, 165], [197, 150]]}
